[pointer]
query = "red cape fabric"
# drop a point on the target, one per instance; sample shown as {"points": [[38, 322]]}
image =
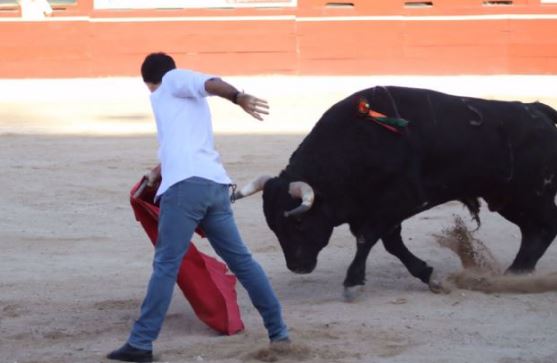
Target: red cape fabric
{"points": [[203, 280]]}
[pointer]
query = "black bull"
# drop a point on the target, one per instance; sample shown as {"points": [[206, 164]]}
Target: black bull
{"points": [[373, 176]]}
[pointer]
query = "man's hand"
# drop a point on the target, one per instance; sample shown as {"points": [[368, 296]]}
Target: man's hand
{"points": [[154, 176], [149, 181], [256, 107]]}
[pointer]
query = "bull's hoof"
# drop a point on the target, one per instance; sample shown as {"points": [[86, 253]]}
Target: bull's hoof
{"points": [[351, 293], [437, 284]]}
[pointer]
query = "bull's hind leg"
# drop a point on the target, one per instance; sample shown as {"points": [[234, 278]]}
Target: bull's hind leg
{"points": [[538, 228], [395, 245]]}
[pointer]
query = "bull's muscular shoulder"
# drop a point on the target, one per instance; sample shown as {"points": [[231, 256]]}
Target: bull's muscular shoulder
{"points": [[348, 149]]}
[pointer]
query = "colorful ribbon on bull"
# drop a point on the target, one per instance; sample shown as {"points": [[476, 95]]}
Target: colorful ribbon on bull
{"points": [[392, 124]]}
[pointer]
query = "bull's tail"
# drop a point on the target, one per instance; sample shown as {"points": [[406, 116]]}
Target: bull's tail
{"points": [[546, 110]]}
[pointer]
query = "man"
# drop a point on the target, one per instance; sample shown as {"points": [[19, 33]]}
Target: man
{"points": [[35, 9], [193, 191]]}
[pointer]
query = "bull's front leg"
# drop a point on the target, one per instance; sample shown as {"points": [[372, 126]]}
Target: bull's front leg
{"points": [[395, 245], [356, 274]]}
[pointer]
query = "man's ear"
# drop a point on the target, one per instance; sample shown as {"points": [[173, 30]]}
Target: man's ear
{"points": [[152, 86]]}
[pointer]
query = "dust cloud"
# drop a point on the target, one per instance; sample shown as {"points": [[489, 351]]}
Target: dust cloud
{"points": [[279, 352], [481, 270]]}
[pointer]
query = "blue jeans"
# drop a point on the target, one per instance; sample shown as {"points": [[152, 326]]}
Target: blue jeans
{"points": [[185, 205]]}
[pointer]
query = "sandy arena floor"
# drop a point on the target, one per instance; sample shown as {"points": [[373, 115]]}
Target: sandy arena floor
{"points": [[74, 262]]}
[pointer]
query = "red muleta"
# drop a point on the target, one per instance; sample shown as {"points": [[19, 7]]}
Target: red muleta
{"points": [[204, 281]]}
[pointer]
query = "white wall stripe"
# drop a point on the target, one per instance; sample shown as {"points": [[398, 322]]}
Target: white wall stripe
{"points": [[302, 19], [431, 17], [47, 20], [195, 19]]}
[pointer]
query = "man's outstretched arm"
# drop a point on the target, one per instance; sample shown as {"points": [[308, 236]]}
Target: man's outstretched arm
{"points": [[251, 104]]}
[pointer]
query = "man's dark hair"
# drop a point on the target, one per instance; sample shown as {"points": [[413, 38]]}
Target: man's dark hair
{"points": [[155, 66]]}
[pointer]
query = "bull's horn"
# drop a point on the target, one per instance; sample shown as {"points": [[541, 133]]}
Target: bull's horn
{"points": [[303, 191], [253, 187]]}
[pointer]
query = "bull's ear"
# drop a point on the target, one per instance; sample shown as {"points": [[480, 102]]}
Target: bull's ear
{"points": [[252, 187]]}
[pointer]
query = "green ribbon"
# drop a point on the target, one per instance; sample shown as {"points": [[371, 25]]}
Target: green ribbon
{"points": [[396, 122]]}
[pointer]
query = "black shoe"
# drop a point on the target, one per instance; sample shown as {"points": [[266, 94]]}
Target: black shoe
{"points": [[281, 341], [127, 353]]}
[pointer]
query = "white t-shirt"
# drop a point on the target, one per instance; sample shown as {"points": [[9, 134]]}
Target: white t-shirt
{"points": [[184, 130]]}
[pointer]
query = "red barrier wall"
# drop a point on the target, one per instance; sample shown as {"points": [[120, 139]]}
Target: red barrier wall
{"points": [[370, 37]]}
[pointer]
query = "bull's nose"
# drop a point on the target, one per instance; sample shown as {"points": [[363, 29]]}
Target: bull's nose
{"points": [[302, 268], [300, 271]]}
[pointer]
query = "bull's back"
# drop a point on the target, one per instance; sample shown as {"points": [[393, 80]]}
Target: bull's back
{"points": [[457, 142], [471, 142]]}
